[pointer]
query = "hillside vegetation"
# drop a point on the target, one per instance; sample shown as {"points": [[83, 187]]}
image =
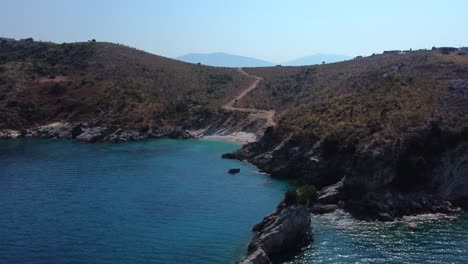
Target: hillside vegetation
{"points": [[370, 98], [358, 101], [105, 83]]}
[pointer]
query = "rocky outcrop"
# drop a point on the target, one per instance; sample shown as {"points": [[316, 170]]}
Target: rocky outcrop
{"points": [[52, 130], [287, 229], [226, 123], [331, 194], [412, 163], [323, 209], [391, 205], [122, 135], [92, 134], [85, 132], [9, 133], [305, 158], [451, 174], [424, 170], [256, 257]]}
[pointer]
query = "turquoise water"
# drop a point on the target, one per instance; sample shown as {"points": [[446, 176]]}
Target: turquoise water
{"points": [[169, 201], [422, 239], [161, 201]]}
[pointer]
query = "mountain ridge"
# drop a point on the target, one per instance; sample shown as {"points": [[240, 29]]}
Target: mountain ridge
{"points": [[317, 58]]}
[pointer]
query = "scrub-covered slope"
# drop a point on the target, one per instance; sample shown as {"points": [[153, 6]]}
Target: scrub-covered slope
{"points": [[395, 123], [107, 83]]}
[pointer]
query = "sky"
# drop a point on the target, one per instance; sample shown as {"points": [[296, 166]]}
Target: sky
{"points": [[273, 30]]}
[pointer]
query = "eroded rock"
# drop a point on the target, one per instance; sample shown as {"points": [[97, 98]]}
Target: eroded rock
{"points": [[286, 229], [323, 208]]}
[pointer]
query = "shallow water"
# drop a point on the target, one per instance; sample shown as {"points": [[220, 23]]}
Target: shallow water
{"points": [[161, 201], [422, 239]]}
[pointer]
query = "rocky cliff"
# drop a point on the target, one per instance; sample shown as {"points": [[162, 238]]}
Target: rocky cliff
{"points": [[425, 170], [285, 230]]}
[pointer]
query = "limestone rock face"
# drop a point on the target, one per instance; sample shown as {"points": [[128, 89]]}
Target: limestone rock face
{"points": [[331, 194], [288, 228], [9, 133], [85, 132], [452, 174], [91, 134], [256, 257], [121, 135], [308, 160], [52, 130], [323, 209]]}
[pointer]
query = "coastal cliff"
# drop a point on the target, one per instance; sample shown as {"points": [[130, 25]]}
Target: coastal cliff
{"points": [[424, 171]]}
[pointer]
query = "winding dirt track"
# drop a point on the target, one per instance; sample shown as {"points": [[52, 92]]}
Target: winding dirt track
{"points": [[257, 113]]}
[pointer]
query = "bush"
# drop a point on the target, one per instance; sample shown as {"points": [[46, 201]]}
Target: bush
{"points": [[290, 197], [57, 89], [181, 107], [204, 111], [220, 79], [306, 193], [31, 111]]}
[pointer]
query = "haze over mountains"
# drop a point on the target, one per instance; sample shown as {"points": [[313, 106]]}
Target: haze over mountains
{"points": [[317, 59], [221, 59]]}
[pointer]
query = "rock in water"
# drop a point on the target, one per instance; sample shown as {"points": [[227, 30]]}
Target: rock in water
{"points": [[288, 228], [323, 209], [234, 171]]}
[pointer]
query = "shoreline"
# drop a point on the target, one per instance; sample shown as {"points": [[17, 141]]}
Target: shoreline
{"points": [[236, 137], [241, 138]]}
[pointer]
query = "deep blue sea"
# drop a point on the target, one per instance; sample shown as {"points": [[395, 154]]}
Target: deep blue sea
{"points": [[171, 201], [159, 201]]}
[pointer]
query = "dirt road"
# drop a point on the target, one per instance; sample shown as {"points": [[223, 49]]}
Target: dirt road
{"points": [[257, 113]]}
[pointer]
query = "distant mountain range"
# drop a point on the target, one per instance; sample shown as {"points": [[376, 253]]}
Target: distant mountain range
{"points": [[317, 59], [220, 59]]}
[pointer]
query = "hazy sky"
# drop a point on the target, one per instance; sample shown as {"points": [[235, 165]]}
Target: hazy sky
{"points": [[267, 29]]}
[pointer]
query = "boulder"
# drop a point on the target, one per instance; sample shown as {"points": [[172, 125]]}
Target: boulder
{"points": [[91, 134], [234, 170], [77, 130], [385, 217], [8, 133], [331, 194], [121, 135], [179, 134], [323, 209], [52, 130]]}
